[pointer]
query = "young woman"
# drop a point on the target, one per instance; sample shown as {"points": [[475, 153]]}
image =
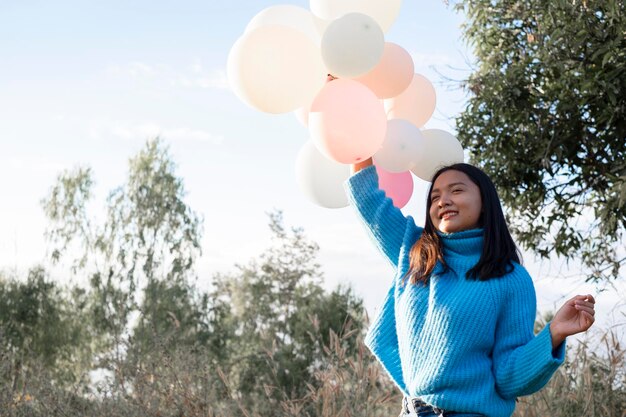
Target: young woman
{"points": [[455, 330]]}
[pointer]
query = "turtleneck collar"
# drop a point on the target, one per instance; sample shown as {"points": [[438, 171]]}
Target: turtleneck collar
{"points": [[464, 243]]}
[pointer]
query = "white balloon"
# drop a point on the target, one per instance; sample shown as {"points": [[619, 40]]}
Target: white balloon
{"points": [[287, 15], [440, 149], [302, 115], [403, 145], [352, 45], [320, 178], [275, 69], [383, 12]]}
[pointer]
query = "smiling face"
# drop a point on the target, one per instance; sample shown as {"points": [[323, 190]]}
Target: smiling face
{"points": [[455, 202]]}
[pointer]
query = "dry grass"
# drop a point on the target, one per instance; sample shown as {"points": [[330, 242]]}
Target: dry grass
{"points": [[185, 383]]}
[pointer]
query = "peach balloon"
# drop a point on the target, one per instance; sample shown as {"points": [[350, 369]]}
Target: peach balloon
{"points": [[397, 186], [347, 121], [415, 104], [392, 75]]}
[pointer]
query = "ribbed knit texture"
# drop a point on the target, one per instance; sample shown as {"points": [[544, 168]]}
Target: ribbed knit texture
{"points": [[458, 344]]}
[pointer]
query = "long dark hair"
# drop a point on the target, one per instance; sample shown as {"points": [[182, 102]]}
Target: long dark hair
{"points": [[499, 251]]}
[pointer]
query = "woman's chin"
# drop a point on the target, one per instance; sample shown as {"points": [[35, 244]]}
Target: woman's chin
{"points": [[448, 229]]}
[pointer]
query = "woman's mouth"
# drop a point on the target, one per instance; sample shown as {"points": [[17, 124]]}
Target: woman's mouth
{"points": [[449, 214]]}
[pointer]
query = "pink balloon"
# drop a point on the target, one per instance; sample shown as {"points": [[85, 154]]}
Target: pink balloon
{"points": [[302, 113], [347, 122], [415, 104], [397, 186], [392, 75]]}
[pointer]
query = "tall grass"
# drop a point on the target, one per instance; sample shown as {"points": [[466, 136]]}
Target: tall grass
{"points": [[186, 383]]}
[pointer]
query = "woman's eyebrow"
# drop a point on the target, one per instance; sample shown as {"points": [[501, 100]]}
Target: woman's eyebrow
{"points": [[449, 186]]}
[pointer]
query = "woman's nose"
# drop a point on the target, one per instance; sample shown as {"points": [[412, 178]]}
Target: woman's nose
{"points": [[444, 201]]}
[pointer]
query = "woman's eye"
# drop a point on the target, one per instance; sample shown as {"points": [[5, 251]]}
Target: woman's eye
{"points": [[434, 198], [457, 190]]}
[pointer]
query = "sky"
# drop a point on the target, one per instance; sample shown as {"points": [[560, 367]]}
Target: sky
{"points": [[86, 83]]}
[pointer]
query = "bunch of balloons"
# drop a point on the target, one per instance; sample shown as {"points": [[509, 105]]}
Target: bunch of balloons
{"points": [[357, 94]]}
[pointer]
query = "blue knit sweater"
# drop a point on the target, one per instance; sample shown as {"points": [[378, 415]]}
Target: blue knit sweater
{"points": [[458, 344]]}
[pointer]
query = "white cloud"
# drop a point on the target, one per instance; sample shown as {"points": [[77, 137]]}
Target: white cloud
{"points": [[149, 130], [34, 164], [215, 79], [194, 76], [134, 69]]}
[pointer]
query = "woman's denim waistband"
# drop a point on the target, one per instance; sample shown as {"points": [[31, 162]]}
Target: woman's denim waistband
{"points": [[417, 407]]}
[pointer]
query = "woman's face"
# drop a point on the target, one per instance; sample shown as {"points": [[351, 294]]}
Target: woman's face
{"points": [[455, 202]]}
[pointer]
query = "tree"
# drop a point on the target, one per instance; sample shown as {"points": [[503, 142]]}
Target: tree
{"points": [[41, 326], [140, 260], [546, 119], [266, 325], [280, 319]]}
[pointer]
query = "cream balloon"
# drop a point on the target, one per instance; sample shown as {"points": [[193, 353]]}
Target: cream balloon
{"points": [[415, 104], [383, 12], [320, 178], [275, 69], [352, 45], [287, 15], [440, 149], [402, 146], [392, 75], [347, 122]]}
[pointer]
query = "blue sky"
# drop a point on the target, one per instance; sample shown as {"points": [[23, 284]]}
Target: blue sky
{"points": [[86, 83]]}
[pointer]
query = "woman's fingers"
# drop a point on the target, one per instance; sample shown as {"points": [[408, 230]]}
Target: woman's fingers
{"points": [[589, 310], [586, 297], [589, 317]]}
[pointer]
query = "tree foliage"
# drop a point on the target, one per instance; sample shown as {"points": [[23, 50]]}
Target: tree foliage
{"points": [[143, 252], [280, 318], [265, 325], [546, 118], [40, 324]]}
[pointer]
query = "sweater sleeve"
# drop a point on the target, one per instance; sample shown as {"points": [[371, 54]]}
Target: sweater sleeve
{"points": [[523, 362], [384, 221]]}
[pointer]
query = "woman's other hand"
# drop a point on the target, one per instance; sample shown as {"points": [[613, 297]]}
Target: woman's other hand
{"points": [[575, 316]]}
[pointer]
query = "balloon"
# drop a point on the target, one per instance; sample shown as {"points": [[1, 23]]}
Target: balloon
{"points": [[352, 45], [402, 146], [347, 122], [415, 104], [397, 186], [287, 15], [321, 179], [275, 69], [440, 148], [392, 75], [302, 114], [383, 12]]}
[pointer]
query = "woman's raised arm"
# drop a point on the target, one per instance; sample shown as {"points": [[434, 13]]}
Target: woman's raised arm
{"points": [[385, 222]]}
